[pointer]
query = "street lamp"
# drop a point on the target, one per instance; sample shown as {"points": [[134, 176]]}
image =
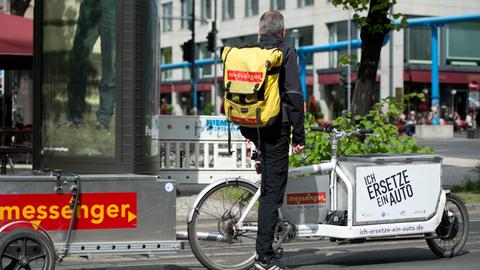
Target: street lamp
{"points": [[295, 35], [453, 92]]}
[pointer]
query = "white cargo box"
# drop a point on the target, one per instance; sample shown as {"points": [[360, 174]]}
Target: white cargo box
{"points": [[393, 188], [306, 199]]}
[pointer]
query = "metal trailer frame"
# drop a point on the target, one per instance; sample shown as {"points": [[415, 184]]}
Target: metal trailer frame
{"points": [[115, 214]]}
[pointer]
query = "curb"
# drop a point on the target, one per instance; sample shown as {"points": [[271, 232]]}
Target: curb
{"points": [[460, 162]]}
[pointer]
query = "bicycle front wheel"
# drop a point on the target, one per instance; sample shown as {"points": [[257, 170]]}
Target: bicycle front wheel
{"points": [[213, 235]]}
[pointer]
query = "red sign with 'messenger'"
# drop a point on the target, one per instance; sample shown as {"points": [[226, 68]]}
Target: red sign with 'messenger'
{"points": [[307, 198], [245, 76], [112, 210]]}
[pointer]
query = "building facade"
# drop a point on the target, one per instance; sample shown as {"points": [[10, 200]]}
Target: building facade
{"points": [[405, 60]]}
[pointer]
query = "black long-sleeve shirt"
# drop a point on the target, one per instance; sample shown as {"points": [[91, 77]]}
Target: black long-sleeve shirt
{"points": [[290, 87]]}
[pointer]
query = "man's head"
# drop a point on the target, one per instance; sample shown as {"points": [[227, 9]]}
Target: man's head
{"points": [[272, 22]]}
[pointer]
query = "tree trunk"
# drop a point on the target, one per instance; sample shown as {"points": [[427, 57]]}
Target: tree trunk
{"points": [[372, 36]]}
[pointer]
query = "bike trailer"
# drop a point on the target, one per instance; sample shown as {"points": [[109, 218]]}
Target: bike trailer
{"points": [[92, 214]]}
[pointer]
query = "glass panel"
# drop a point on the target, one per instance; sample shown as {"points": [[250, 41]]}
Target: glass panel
{"points": [[79, 78], [151, 62], [419, 43], [206, 10], [228, 10], [204, 53], [339, 32], [167, 58], [241, 41], [303, 3], [186, 12], [277, 4], [251, 7], [305, 39], [462, 41], [167, 17]]}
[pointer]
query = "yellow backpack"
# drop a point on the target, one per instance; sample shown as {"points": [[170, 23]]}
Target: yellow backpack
{"points": [[251, 81]]}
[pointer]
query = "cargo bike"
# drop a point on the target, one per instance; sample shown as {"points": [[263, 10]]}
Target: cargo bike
{"points": [[348, 199], [48, 216]]}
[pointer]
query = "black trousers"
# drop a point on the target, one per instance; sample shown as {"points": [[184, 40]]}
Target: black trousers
{"points": [[274, 144]]}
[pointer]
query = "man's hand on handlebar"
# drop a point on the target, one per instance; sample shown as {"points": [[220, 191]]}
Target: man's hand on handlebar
{"points": [[297, 148]]}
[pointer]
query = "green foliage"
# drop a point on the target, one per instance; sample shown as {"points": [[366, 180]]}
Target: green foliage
{"points": [[208, 109], [385, 137], [360, 9]]}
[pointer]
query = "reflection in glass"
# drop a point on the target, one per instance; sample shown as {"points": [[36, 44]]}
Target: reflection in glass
{"points": [[151, 59], [79, 78]]}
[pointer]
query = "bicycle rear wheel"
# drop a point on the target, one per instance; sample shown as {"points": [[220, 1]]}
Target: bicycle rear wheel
{"points": [[213, 237], [452, 233]]}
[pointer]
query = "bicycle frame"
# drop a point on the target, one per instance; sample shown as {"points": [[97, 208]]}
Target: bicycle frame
{"points": [[351, 230]]}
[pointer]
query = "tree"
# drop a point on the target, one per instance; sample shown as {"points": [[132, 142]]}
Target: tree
{"points": [[374, 27]]}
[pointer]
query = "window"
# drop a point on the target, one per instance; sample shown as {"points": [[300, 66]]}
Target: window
{"points": [[241, 41], [339, 32], [462, 41], [203, 53], [277, 4], [167, 59], [305, 38], [228, 10], [186, 12], [206, 10], [167, 17], [418, 40], [251, 8], [304, 3]]}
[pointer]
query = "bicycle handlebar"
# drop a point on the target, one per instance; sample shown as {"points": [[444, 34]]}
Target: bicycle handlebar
{"points": [[339, 134]]}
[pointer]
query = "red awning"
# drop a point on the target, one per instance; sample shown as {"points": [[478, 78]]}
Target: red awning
{"points": [[16, 42], [334, 78], [166, 88], [453, 77]]}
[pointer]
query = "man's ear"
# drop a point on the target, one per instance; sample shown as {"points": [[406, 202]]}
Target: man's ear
{"points": [[284, 33]]}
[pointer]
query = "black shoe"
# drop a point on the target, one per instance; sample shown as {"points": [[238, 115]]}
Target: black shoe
{"points": [[102, 124], [273, 265]]}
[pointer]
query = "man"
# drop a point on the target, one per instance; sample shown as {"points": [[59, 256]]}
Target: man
{"points": [[275, 139], [97, 19]]}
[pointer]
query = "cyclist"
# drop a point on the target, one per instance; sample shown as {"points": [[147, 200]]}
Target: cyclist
{"points": [[274, 139]]}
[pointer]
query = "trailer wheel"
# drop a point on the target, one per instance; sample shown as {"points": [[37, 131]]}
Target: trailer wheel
{"points": [[26, 249], [452, 233]]}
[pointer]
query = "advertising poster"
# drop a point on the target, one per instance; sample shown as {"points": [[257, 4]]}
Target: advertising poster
{"points": [[393, 193], [79, 78]]}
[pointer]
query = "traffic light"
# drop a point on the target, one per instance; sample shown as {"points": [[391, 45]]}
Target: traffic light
{"points": [[344, 78], [188, 53], [211, 40]]}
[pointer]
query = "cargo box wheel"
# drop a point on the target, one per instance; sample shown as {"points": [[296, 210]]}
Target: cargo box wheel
{"points": [[452, 233], [26, 249]]}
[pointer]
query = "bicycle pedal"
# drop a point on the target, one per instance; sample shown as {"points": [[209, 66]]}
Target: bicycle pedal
{"points": [[278, 254]]}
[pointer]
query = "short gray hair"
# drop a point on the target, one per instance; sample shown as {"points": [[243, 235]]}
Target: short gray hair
{"points": [[271, 22]]}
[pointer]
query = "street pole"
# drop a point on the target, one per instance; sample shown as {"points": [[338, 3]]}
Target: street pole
{"points": [[193, 70], [214, 90], [349, 67], [390, 67]]}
